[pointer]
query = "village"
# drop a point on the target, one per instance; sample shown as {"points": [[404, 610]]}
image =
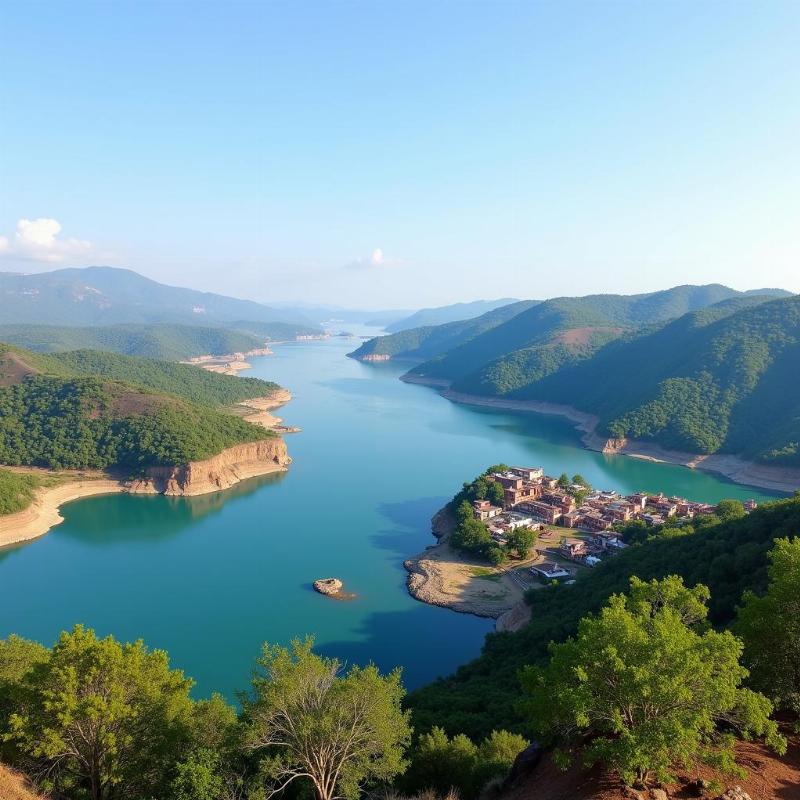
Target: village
{"points": [[576, 525]]}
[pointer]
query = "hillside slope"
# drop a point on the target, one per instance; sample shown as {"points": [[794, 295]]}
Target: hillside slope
{"points": [[13, 786], [719, 380], [558, 332], [106, 295], [62, 413], [418, 344]]}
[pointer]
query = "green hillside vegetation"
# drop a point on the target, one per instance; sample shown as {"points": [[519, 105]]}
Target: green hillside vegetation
{"points": [[729, 557], [429, 341], [719, 380], [557, 333], [17, 490], [164, 341], [97, 410]]}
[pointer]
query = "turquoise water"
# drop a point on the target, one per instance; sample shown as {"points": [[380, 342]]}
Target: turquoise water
{"points": [[211, 578]]}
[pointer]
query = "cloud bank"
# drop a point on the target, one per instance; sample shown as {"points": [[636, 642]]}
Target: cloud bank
{"points": [[38, 240]]}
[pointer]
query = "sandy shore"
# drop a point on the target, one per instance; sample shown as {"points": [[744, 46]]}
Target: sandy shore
{"points": [[441, 577], [736, 469], [257, 411], [229, 364]]}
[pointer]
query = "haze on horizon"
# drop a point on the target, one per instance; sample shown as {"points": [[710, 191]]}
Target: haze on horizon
{"points": [[404, 154]]}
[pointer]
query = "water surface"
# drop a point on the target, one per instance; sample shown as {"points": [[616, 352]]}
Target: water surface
{"points": [[210, 578]]}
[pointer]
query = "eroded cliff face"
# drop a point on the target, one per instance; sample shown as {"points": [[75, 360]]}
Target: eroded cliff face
{"points": [[219, 472]]}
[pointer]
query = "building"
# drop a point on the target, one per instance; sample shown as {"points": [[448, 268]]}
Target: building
{"points": [[528, 473], [573, 550], [542, 511], [483, 510], [549, 571]]}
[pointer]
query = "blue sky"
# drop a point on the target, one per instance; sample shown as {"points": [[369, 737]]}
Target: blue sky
{"points": [[385, 154]]}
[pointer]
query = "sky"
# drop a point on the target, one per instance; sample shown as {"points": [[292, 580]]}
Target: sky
{"points": [[398, 154]]}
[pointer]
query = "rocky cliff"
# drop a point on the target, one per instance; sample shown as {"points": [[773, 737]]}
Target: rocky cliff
{"points": [[219, 472]]}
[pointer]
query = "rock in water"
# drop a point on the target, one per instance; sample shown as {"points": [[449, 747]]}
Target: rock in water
{"points": [[328, 586]]}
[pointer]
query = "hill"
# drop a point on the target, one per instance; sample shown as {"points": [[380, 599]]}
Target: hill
{"points": [[14, 786], [558, 332], [161, 340], [451, 313], [728, 557], [106, 295], [101, 410], [418, 344], [718, 380]]}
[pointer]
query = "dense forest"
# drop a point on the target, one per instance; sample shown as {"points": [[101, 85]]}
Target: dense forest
{"points": [[719, 380], [17, 490], [98, 410]]}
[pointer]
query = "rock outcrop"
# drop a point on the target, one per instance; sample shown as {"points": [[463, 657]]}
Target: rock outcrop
{"points": [[219, 472]]}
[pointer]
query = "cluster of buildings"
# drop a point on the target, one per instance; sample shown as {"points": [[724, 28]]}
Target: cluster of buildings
{"points": [[533, 499]]}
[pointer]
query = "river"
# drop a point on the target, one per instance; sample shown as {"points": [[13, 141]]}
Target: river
{"points": [[211, 578]]}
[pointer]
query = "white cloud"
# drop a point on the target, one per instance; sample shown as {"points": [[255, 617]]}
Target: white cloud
{"points": [[38, 240], [376, 259]]}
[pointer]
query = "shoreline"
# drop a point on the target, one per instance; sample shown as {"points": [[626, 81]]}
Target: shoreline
{"points": [[738, 470], [257, 411], [440, 577], [228, 363]]}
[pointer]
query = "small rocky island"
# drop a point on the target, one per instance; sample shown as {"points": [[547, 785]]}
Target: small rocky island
{"points": [[332, 587]]}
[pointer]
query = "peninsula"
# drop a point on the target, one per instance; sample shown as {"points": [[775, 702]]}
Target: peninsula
{"points": [[514, 529]]}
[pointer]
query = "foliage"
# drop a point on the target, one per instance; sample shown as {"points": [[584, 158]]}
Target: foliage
{"points": [[197, 777], [643, 686], [334, 731], [728, 557], [442, 763], [521, 541], [103, 717], [88, 422], [769, 624], [16, 491]]}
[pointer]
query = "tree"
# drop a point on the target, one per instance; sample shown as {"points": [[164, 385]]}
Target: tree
{"points": [[198, 777], [102, 717], [495, 494], [564, 481], [444, 764], [521, 540], [770, 627], [730, 509], [335, 731], [579, 480], [644, 684]]}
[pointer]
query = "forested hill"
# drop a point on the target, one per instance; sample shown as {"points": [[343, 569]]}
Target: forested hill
{"points": [[560, 331], [418, 344], [160, 340], [719, 380], [729, 557], [95, 410]]}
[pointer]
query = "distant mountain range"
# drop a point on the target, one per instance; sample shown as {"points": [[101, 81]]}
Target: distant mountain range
{"points": [[452, 313], [107, 295], [691, 368]]}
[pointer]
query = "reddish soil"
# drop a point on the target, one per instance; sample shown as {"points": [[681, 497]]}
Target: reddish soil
{"points": [[577, 337], [13, 369], [769, 777]]}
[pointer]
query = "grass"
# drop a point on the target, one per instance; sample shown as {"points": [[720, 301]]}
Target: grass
{"points": [[485, 573]]}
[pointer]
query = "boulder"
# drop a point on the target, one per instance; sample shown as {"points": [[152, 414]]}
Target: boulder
{"points": [[329, 586], [736, 793]]}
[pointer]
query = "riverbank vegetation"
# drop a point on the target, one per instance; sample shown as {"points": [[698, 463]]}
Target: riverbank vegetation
{"points": [[17, 490]]}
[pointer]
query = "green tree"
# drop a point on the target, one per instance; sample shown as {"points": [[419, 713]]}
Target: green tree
{"points": [[579, 480], [494, 494], [496, 755], [198, 777], [102, 717], [564, 481], [730, 509], [770, 627], [312, 723], [521, 541], [645, 683], [495, 555]]}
